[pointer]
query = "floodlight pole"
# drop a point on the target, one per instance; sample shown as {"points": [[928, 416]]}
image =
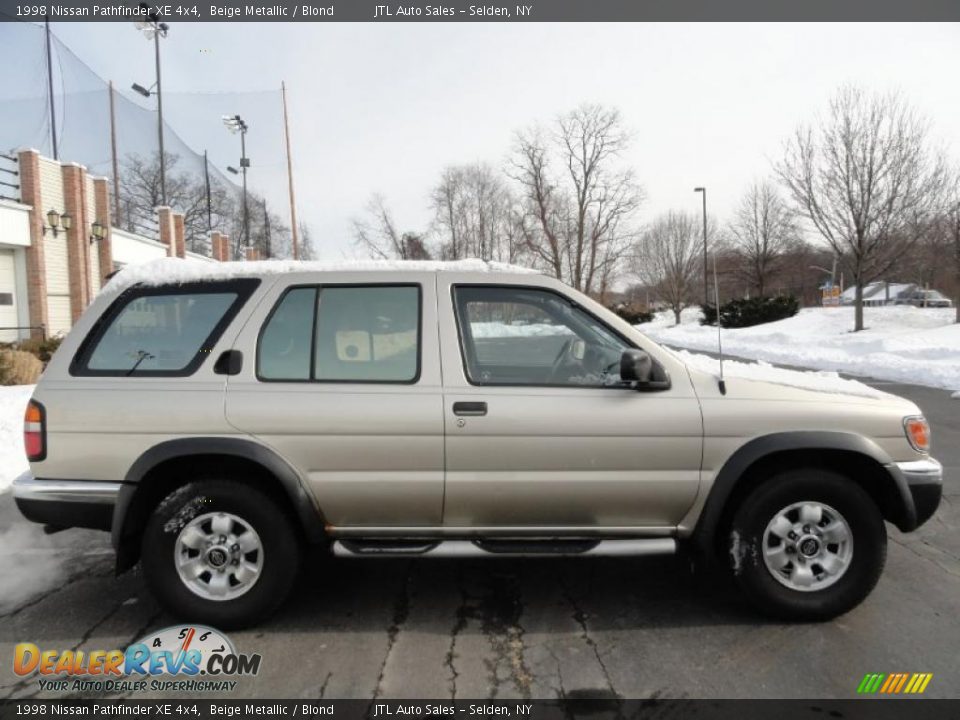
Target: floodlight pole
{"points": [[163, 162]]}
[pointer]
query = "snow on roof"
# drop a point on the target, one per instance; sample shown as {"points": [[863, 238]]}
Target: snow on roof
{"points": [[164, 271]]}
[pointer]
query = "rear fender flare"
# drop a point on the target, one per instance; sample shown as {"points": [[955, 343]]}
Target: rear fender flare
{"points": [[308, 513]]}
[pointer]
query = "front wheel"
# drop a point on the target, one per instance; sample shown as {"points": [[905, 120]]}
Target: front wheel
{"points": [[221, 553], [808, 544]]}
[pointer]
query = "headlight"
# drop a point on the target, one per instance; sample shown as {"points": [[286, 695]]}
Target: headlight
{"points": [[918, 432]]}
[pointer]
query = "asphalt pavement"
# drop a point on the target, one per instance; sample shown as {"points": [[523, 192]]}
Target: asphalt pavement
{"points": [[598, 628]]}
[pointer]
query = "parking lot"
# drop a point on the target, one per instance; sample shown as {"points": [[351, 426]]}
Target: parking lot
{"points": [[533, 628]]}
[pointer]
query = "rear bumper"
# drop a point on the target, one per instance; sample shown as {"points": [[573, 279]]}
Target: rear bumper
{"points": [[66, 503], [924, 480]]}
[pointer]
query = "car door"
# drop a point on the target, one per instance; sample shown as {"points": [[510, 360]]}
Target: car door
{"points": [[541, 433], [343, 381]]}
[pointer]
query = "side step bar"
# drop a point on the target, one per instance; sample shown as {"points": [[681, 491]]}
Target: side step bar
{"points": [[619, 547]]}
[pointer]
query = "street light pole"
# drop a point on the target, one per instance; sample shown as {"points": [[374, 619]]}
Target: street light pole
{"points": [[706, 289]]}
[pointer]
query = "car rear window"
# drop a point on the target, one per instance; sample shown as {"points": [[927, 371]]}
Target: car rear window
{"points": [[161, 331]]}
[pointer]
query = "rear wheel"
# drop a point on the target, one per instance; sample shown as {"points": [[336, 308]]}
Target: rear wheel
{"points": [[808, 544], [220, 552]]}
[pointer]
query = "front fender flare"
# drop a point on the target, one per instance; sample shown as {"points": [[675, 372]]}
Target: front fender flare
{"points": [[766, 446]]}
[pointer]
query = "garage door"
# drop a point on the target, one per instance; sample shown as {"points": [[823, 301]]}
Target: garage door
{"points": [[8, 296]]}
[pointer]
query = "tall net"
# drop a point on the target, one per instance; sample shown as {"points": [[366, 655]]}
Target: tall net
{"points": [[198, 148]]}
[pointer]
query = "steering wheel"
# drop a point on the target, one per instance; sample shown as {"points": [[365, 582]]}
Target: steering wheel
{"points": [[565, 354]]}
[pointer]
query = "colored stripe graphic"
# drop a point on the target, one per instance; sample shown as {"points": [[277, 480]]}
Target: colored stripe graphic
{"points": [[894, 683]]}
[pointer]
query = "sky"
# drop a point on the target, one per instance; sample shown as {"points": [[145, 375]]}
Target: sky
{"points": [[383, 108]]}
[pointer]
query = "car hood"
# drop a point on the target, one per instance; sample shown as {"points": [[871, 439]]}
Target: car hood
{"points": [[777, 384]]}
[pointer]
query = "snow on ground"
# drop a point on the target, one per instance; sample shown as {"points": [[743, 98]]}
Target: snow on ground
{"points": [[500, 329], [177, 270], [901, 343], [13, 460], [819, 380]]}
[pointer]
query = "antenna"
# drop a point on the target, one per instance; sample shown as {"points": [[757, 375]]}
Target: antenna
{"points": [[716, 299]]}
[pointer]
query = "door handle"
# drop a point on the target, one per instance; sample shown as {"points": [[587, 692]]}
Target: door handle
{"points": [[470, 408]]}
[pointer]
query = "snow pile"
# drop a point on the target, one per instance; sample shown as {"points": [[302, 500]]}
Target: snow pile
{"points": [[176, 270], [819, 381], [901, 343], [13, 459]]}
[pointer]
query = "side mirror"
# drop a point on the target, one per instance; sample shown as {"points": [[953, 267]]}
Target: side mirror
{"points": [[636, 365]]}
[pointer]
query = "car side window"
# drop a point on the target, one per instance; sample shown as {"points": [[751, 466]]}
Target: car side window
{"points": [[526, 336], [286, 344], [362, 334]]}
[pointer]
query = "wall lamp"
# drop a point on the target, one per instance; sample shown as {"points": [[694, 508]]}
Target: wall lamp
{"points": [[57, 222], [98, 232]]}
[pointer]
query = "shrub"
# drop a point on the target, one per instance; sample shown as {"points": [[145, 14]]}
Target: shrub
{"points": [[633, 314], [19, 368], [42, 349], [747, 312]]}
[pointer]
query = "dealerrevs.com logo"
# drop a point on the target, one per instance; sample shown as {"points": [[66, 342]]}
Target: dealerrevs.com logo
{"points": [[190, 658], [894, 683]]}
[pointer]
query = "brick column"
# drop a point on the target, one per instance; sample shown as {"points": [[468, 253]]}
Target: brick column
{"points": [[219, 246], [179, 235], [165, 221], [101, 199], [29, 165], [253, 254], [78, 267]]}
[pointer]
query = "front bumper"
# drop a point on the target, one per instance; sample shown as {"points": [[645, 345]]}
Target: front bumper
{"points": [[924, 480], [66, 503]]}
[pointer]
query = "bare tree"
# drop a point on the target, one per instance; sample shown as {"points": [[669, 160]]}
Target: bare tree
{"points": [[667, 259], [306, 249], [866, 180], [187, 194], [762, 229], [475, 215], [577, 198], [378, 235], [948, 227]]}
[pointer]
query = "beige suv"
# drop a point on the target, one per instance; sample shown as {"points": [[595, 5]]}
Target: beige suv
{"points": [[220, 420]]}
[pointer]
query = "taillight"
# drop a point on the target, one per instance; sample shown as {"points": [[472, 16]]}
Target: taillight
{"points": [[918, 433], [35, 431]]}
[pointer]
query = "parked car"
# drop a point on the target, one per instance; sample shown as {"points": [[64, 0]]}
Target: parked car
{"points": [[220, 426], [924, 298]]}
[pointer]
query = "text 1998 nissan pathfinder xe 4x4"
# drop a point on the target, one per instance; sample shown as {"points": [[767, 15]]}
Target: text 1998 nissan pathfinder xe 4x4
{"points": [[218, 419]]}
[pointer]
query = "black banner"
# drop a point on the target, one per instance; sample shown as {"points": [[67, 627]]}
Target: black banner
{"points": [[477, 11], [615, 709]]}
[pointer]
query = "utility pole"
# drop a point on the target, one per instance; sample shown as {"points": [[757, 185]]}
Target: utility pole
{"points": [[267, 249], [53, 108], [294, 231], [113, 158], [206, 183]]}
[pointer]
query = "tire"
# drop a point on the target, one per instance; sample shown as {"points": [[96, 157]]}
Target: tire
{"points": [[819, 574], [241, 578]]}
